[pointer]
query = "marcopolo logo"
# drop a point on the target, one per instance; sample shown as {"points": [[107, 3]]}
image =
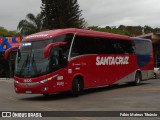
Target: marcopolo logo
{"points": [[119, 60]]}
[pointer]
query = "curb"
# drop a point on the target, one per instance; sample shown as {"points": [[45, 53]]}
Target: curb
{"points": [[6, 78]]}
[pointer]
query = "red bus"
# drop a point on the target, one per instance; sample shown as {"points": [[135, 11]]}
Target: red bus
{"points": [[75, 59]]}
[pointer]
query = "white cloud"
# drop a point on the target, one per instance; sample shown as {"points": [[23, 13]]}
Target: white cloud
{"points": [[12, 11], [96, 12], [117, 12]]}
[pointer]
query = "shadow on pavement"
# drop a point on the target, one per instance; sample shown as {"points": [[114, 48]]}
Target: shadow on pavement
{"points": [[68, 95]]}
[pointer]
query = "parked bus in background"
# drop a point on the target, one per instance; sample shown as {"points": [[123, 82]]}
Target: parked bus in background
{"points": [[75, 59]]}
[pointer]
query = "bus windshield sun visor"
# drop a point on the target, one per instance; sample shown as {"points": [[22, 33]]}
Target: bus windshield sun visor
{"points": [[48, 48]]}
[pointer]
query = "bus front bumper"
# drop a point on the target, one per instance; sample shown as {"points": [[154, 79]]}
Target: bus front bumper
{"points": [[34, 88]]}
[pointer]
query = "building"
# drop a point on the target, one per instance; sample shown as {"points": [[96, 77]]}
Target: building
{"points": [[155, 37]]}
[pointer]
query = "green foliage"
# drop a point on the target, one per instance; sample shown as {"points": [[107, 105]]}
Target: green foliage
{"points": [[109, 30], [5, 32], [127, 30], [62, 14], [132, 30], [156, 30], [31, 24]]}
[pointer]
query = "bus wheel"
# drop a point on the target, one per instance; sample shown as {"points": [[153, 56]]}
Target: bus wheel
{"points": [[76, 87], [138, 79], [81, 86]]}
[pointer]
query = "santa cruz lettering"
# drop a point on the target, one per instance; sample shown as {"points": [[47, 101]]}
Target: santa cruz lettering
{"points": [[112, 60]]}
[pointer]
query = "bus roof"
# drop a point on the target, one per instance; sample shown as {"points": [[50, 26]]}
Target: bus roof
{"points": [[81, 32]]}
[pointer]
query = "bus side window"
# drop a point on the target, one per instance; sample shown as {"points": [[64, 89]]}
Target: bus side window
{"points": [[123, 47], [133, 47], [76, 46], [65, 38], [143, 48]]}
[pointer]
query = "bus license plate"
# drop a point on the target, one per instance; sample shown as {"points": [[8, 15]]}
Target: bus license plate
{"points": [[28, 92]]}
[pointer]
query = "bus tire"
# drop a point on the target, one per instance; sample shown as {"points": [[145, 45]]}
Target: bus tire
{"points": [[138, 78], [81, 86], [75, 87]]}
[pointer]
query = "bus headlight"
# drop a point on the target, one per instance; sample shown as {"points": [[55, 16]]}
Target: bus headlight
{"points": [[16, 82], [44, 81]]}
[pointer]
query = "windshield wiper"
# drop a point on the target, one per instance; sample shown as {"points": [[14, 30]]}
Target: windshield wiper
{"points": [[34, 65], [24, 64]]}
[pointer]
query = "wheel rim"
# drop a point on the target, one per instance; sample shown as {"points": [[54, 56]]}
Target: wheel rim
{"points": [[154, 76], [78, 87], [138, 80]]}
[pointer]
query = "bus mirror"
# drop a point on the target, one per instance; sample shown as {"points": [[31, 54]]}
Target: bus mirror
{"points": [[48, 48], [7, 52]]}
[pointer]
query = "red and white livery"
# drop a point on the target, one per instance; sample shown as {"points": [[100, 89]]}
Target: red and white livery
{"points": [[75, 59]]}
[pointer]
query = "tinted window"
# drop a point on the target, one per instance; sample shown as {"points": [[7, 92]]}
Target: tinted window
{"points": [[58, 53], [123, 46], [90, 45], [30, 61], [143, 47], [65, 38]]}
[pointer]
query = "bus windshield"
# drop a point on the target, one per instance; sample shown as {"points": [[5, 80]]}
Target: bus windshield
{"points": [[30, 59]]}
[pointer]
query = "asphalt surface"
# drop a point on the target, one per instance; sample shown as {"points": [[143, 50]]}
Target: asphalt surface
{"points": [[124, 97]]}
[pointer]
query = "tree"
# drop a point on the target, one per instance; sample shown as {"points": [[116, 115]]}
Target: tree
{"points": [[148, 29], [156, 30], [62, 14], [5, 32], [109, 30], [122, 27], [137, 30], [127, 30], [31, 24]]}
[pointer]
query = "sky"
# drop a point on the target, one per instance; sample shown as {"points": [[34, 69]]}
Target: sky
{"points": [[96, 12]]}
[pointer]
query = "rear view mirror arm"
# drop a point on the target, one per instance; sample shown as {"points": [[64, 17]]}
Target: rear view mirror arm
{"points": [[7, 52], [48, 48]]}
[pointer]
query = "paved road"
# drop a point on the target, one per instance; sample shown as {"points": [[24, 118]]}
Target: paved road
{"points": [[117, 98]]}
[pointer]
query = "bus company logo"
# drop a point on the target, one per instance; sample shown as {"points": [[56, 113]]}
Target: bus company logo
{"points": [[112, 60], [27, 80]]}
